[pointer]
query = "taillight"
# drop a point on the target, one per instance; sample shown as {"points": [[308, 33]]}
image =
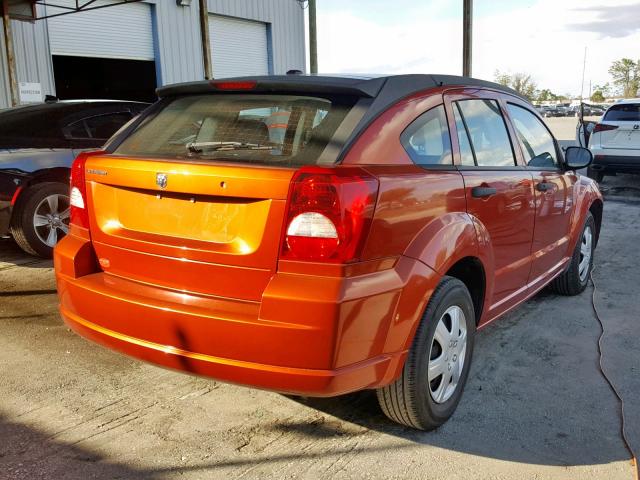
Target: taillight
{"points": [[78, 194], [329, 214], [603, 127], [242, 85]]}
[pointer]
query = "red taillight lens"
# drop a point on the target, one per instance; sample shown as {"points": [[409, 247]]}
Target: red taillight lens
{"points": [[329, 214], [250, 85], [603, 127], [78, 194]]}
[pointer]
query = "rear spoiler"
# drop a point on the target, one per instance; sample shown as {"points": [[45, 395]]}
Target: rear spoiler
{"points": [[281, 84]]}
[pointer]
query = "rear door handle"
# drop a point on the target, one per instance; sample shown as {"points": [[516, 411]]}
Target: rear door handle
{"points": [[482, 192], [544, 186]]}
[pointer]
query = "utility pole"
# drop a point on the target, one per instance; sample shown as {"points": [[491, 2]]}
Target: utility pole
{"points": [[204, 38], [584, 68], [313, 37], [467, 37], [11, 57]]}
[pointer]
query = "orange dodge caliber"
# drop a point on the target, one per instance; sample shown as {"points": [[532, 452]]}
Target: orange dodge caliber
{"points": [[320, 235]]}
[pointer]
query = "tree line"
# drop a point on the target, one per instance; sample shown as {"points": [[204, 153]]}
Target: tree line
{"points": [[625, 81]]}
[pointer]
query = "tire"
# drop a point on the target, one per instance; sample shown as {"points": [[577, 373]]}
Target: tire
{"points": [[597, 175], [413, 400], [35, 206], [573, 280]]}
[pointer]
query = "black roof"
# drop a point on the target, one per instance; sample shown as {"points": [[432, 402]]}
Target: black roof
{"points": [[378, 92], [389, 86]]}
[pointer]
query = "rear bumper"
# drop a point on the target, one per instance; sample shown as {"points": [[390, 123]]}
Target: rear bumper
{"points": [[615, 163], [315, 336]]}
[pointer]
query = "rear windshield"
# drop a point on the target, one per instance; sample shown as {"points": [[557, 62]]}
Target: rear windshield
{"points": [[279, 130], [628, 112]]}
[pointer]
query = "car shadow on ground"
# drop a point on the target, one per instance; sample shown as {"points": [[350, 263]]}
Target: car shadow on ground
{"points": [[534, 394], [11, 256]]}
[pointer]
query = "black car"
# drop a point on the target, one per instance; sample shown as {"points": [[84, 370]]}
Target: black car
{"points": [[38, 144]]}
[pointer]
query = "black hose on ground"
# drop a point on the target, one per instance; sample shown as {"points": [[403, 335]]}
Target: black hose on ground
{"points": [[634, 457]]}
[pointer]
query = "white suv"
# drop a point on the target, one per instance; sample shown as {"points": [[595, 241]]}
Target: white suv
{"points": [[615, 140]]}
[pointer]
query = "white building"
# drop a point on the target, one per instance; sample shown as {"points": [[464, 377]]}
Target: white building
{"points": [[126, 51]]}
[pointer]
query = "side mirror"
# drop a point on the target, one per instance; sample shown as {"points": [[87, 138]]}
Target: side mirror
{"points": [[576, 158]]}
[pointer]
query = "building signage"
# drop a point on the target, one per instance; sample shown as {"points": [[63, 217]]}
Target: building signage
{"points": [[30, 92]]}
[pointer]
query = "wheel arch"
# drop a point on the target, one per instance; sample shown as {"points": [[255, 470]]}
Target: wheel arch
{"points": [[471, 272], [596, 209], [53, 175]]}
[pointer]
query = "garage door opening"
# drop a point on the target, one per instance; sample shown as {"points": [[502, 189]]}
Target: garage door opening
{"points": [[104, 78]]}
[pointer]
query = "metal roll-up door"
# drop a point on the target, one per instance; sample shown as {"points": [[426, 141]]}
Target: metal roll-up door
{"points": [[123, 31], [238, 47]]}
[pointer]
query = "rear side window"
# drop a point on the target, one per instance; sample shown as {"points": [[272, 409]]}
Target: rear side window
{"points": [[426, 139], [99, 127], [466, 152], [538, 146], [487, 132], [278, 130], [625, 112]]}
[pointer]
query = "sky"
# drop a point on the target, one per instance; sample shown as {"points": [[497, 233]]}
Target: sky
{"points": [[543, 38]]}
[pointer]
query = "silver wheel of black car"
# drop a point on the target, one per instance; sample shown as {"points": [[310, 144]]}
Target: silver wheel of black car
{"points": [[51, 219], [41, 218]]}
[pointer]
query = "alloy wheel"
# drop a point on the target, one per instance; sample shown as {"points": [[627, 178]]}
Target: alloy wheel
{"points": [[51, 219]]}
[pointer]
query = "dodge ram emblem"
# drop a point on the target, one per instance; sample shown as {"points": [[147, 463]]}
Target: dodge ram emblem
{"points": [[161, 180]]}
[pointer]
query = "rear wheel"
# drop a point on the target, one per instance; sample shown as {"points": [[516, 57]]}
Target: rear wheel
{"points": [[432, 380], [41, 218], [574, 280]]}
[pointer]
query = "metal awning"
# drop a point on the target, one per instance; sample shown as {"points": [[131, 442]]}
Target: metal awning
{"points": [[26, 9]]}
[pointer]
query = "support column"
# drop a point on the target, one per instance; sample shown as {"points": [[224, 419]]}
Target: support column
{"points": [[11, 58], [313, 37], [204, 37], [467, 38]]}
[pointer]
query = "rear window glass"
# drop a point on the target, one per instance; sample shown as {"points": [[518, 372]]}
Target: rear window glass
{"points": [[629, 112], [279, 130]]}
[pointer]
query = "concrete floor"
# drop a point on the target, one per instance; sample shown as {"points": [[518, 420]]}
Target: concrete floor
{"points": [[535, 407]]}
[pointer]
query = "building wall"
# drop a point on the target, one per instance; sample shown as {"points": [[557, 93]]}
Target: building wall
{"points": [[178, 49], [287, 27]]}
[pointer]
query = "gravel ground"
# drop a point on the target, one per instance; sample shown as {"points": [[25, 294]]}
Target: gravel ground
{"points": [[535, 407]]}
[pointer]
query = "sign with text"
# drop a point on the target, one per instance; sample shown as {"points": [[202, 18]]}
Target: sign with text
{"points": [[30, 92]]}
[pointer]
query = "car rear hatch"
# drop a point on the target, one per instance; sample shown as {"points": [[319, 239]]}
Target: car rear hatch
{"points": [[194, 199], [621, 127], [212, 230]]}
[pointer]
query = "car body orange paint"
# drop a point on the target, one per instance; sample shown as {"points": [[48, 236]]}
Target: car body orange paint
{"points": [[216, 300]]}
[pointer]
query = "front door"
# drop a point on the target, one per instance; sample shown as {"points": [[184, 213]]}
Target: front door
{"points": [[553, 194], [499, 193]]}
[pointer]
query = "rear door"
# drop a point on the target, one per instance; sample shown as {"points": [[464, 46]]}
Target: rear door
{"points": [[553, 192], [626, 117], [499, 192]]}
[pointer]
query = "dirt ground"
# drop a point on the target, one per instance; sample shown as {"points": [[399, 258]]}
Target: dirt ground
{"points": [[535, 407]]}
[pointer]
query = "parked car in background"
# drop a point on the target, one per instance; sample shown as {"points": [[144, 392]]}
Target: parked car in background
{"points": [[548, 111], [588, 110], [562, 110], [615, 141], [361, 249], [38, 144]]}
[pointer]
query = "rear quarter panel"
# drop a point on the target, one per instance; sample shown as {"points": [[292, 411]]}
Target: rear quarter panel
{"points": [[420, 217]]}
